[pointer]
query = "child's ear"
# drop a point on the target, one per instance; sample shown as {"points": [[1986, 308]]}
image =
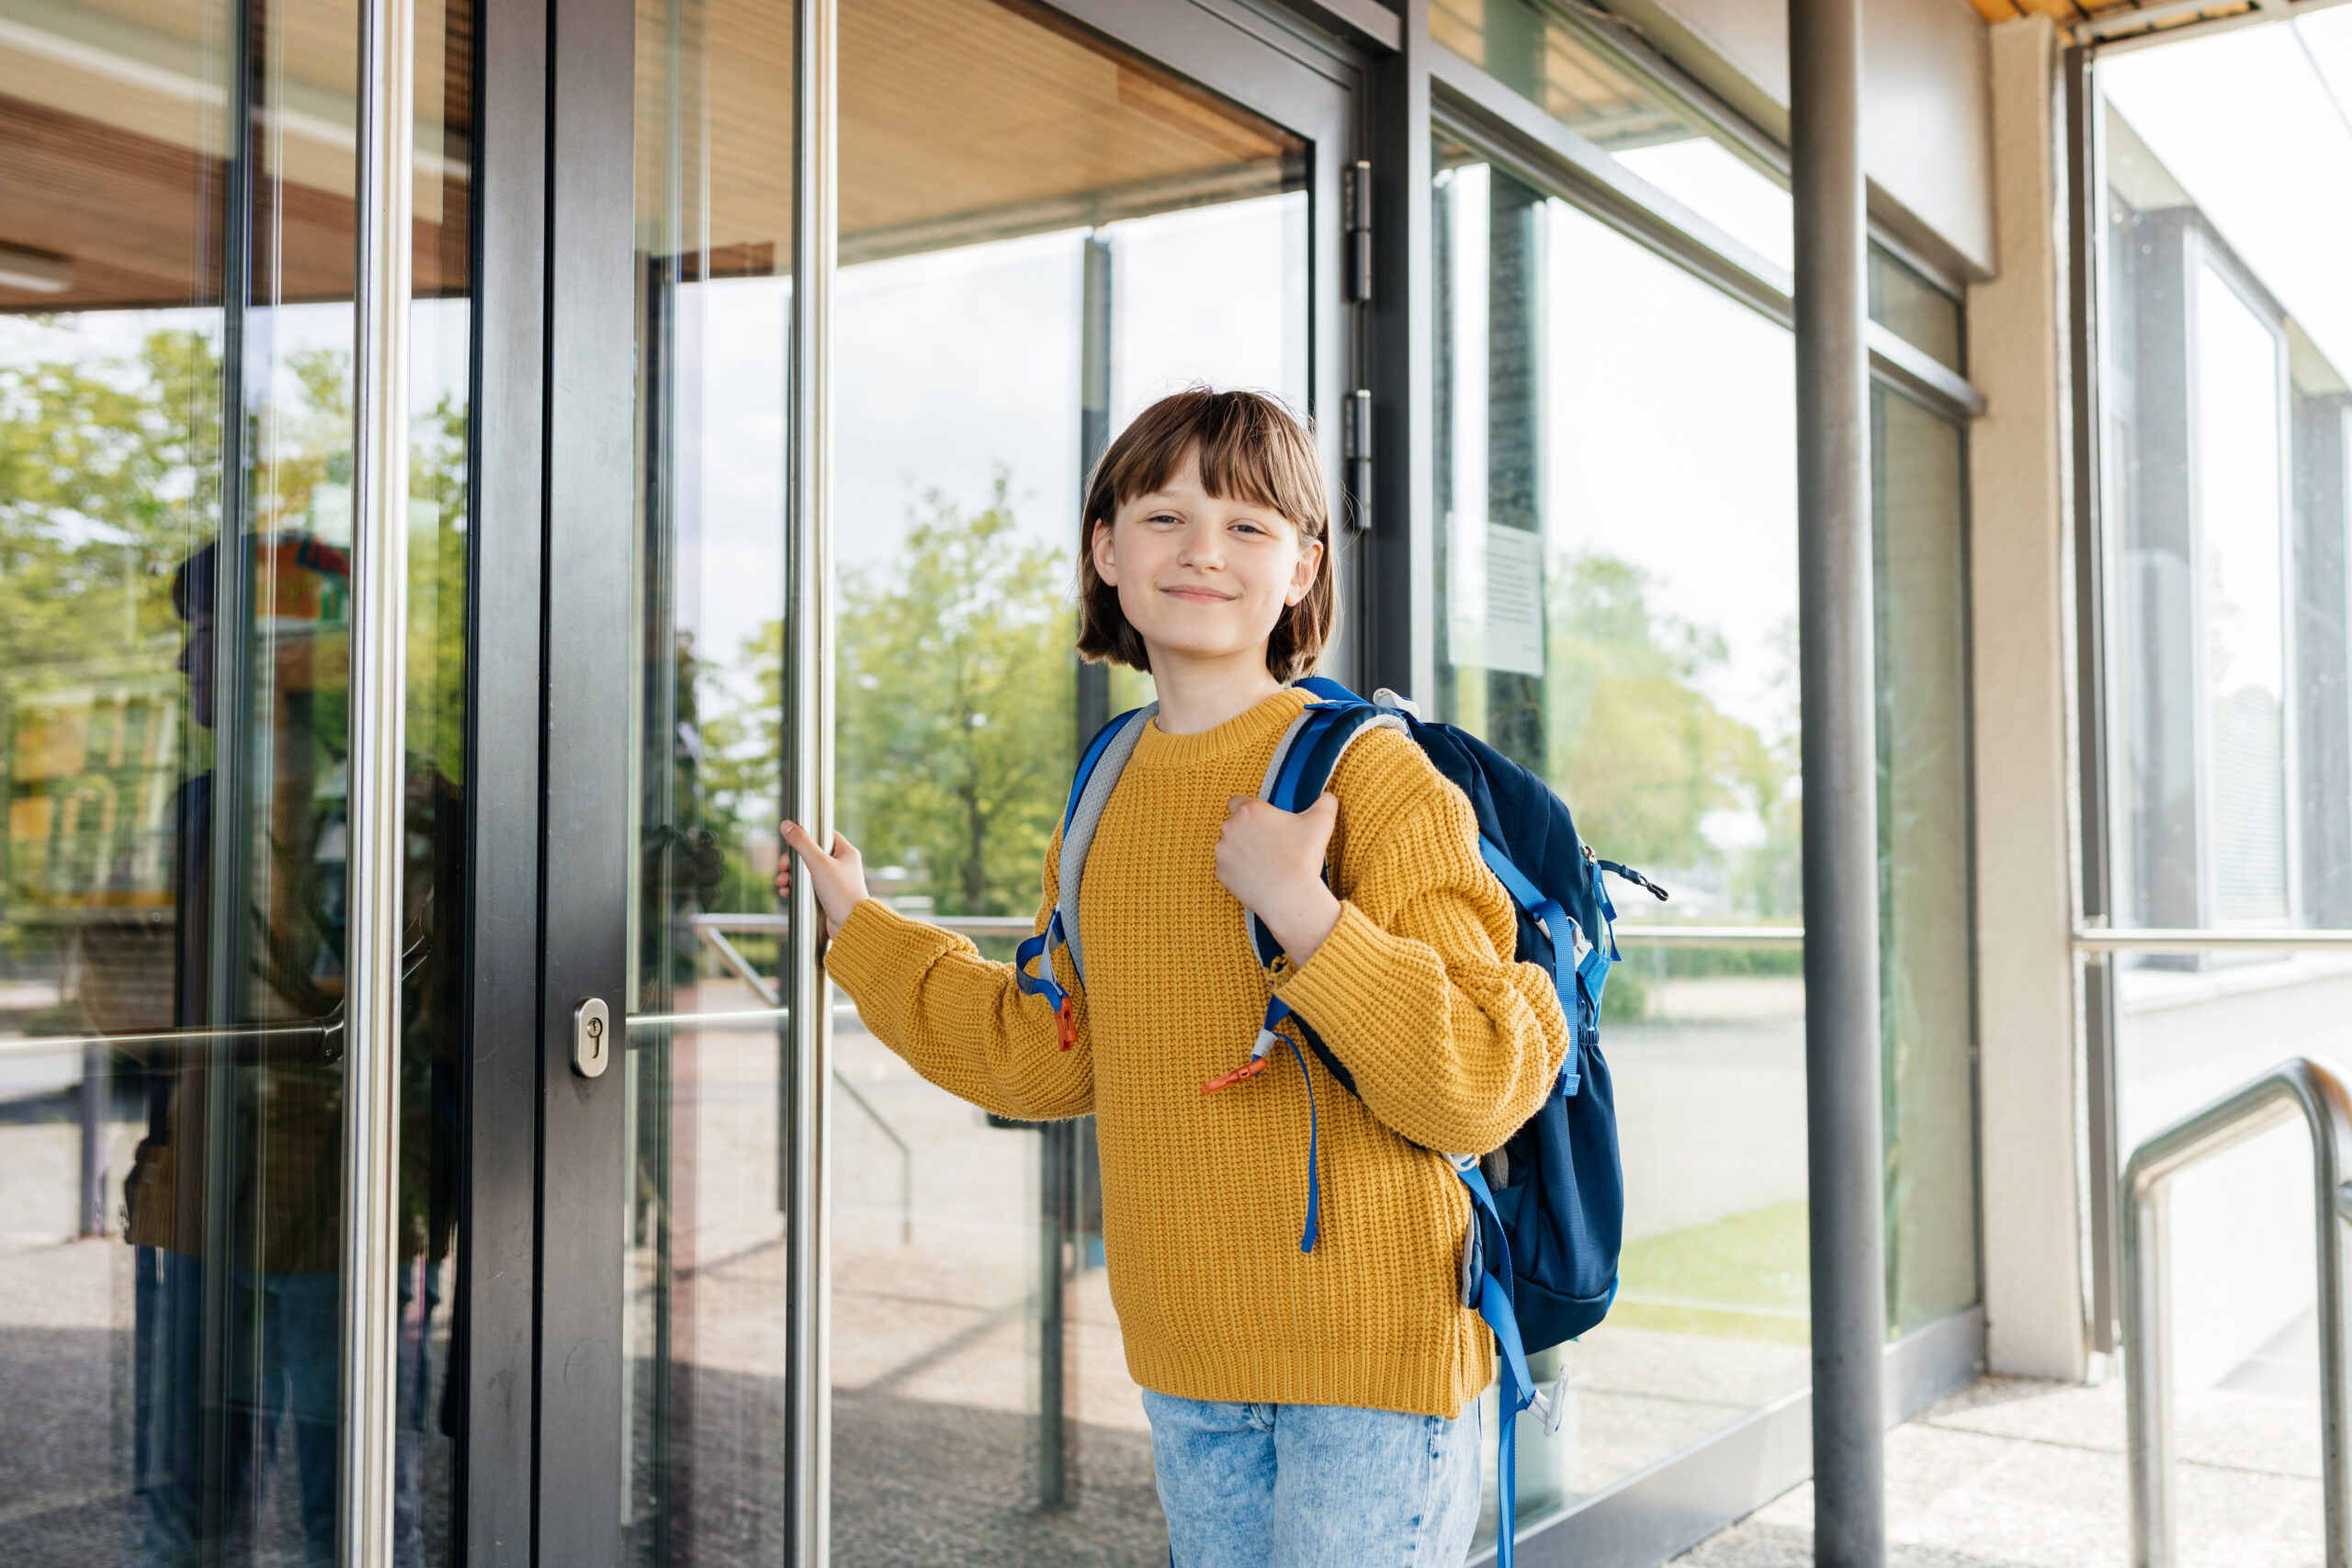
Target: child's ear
{"points": [[1099, 543], [1302, 576]]}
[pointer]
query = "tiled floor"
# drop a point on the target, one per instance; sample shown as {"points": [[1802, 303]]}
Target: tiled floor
{"points": [[2015, 1473]]}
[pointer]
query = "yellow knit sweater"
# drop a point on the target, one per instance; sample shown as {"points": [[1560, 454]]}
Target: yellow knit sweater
{"points": [[1452, 1047]]}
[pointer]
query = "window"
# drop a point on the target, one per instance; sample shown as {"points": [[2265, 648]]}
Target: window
{"points": [[1616, 597], [2225, 326]]}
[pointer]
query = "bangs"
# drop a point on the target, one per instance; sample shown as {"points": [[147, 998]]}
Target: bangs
{"points": [[1250, 449]]}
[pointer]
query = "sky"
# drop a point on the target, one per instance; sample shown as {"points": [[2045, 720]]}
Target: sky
{"points": [[2256, 126], [952, 367]]}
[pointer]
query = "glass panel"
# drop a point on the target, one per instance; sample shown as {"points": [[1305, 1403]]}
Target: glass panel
{"points": [[703, 1360], [1011, 296], [2227, 326], [174, 718], [1623, 621], [1913, 309], [1927, 993], [1008, 295], [1608, 99], [2235, 428], [2226, 329]]}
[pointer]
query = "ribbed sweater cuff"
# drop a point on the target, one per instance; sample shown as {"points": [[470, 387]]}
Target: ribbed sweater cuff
{"points": [[1343, 978], [877, 944]]}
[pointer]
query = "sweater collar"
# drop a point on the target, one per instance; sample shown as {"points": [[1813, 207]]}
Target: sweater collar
{"points": [[1254, 729]]}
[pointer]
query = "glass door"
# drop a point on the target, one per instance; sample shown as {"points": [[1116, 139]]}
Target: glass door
{"points": [[1045, 220], [176, 427]]}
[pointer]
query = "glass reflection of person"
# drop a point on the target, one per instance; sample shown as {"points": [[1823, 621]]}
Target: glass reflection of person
{"points": [[230, 1391]]}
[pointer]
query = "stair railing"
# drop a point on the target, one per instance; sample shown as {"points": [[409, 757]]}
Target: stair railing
{"points": [[2299, 1086]]}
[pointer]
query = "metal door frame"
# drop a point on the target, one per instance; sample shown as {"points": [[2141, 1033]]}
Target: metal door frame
{"points": [[1296, 72], [540, 1278]]}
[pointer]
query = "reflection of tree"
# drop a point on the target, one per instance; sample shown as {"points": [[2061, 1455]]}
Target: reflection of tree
{"points": [[1641, 752], [954, 722], [955, 706], [108, 474], [1769, 881]]}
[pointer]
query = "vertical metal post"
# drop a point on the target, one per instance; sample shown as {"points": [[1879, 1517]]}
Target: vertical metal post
{"points": [[224, 862], [808, 783], [95, 1109], [1057, 1159], [378, 747], [1844, 1136], [2096, 973], [2148, 1376], [1059, 1147], [1093, 439]]}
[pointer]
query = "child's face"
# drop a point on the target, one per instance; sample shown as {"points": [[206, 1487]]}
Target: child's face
{"points": [[1202, 577]]}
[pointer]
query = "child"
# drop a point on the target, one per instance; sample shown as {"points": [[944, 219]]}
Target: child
{"points": [[1306, 1407]]}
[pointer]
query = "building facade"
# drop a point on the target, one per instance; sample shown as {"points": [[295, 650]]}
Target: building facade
{"points": [[602, 427]]}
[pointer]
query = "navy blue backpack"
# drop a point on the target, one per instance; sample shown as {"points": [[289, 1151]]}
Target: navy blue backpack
{"points": [[1540, 1262]]}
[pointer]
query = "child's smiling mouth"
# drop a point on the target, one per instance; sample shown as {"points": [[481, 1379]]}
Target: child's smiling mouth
{"points": [[1198, 595]]}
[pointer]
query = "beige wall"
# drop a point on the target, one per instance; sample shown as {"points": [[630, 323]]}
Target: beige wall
{"points": [[1926, 136], [2030, 1124]]}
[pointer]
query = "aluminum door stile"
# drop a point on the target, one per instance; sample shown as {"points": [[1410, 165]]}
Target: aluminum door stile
{"points": [[808, 720], [497, 1300], [1399, 557], [378, 765], [589, 455]]}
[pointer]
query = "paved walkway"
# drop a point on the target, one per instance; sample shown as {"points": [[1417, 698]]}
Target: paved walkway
{"points": [[2010, 1472]]}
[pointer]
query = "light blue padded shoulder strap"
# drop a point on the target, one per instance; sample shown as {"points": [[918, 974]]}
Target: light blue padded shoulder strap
{"points": [[1085, 815]]}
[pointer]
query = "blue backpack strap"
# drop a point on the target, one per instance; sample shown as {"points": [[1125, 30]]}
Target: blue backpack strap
{"points": [[1301, 766], [1326, 690], [1561, 927], [1516, 1384]]}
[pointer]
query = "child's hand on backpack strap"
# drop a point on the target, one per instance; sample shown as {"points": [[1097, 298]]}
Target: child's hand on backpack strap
{"points": [[838, 879], [1272, 860]]}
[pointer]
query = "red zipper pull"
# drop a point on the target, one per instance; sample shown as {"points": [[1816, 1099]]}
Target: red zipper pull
{"points": [[1067, 1015]]}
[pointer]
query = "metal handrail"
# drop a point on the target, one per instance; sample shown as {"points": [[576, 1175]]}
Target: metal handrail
{"points": [[2164, 939], [63, 1045], [1644, 933], [1662, 933], [2299, 1085]]}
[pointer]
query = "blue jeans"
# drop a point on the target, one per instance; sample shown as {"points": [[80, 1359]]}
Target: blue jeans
{"points": [[1313, 1486]]}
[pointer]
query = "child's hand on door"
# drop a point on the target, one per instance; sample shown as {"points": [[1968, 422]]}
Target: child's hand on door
{"points": [[838, 878]]}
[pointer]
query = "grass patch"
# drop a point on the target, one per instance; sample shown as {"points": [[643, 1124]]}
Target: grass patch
{"points": [[1742, 1276]]}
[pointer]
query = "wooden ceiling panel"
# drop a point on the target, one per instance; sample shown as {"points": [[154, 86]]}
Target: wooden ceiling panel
{"points": [[958, 107], [2067, 12], [112, 124]]}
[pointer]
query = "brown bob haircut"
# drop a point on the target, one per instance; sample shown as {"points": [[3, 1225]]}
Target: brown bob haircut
{"points": [[1251, 448]]}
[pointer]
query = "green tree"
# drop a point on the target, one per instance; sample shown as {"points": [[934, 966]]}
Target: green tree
{"points": [[1642, 753], [109, 479], [953, 707], [437, 586]]}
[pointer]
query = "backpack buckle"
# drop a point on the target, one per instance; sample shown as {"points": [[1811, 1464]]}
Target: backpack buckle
{"points": [[1066, 1015]]}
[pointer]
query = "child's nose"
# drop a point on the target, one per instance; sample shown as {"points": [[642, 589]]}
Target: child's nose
{"points": [[1203, 547]]}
